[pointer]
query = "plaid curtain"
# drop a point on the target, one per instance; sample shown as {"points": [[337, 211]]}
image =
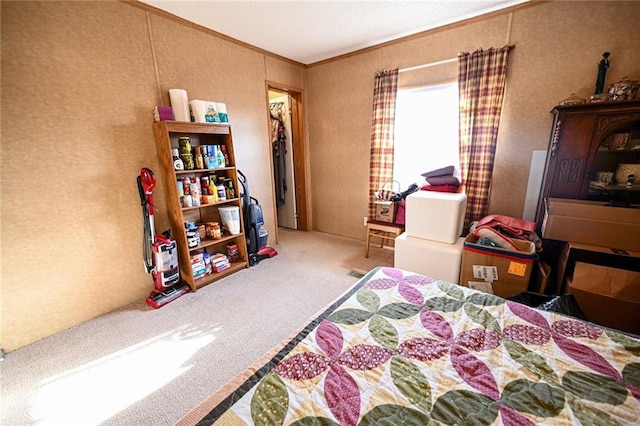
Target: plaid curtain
{"points": [[384, 113], [481, 81]]}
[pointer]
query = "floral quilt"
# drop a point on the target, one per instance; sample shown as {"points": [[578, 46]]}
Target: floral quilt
{"points": [[407, 349]]}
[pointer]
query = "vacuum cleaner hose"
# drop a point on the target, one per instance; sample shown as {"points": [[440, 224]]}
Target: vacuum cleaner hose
{"points": [[147, 250]]}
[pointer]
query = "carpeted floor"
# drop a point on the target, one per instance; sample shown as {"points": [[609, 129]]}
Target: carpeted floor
{"points": [[138, 365]]}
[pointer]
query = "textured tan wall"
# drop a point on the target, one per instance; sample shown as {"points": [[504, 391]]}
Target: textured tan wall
{"points": [[78, 84], [558, 46], [78, 87]]}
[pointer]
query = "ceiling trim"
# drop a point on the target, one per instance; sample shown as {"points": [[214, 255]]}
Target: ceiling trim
{"points": [[462, 23], [159, 12], [152, 9]]}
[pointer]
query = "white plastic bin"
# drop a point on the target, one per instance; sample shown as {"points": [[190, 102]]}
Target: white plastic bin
{"points": [[436, 216], [435, 259], [230, 217]]}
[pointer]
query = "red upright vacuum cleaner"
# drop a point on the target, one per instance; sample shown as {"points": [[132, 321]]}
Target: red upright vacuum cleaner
{"points": [[159, 251]]}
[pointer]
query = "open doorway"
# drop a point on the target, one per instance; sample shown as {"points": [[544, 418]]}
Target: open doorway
{"points": [[284, 177], [286, 137]]}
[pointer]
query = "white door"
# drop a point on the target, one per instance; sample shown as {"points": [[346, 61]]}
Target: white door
{"points": [[287, 215]]}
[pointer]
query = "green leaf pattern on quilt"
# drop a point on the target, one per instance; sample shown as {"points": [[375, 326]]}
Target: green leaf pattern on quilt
{"points": [[531, 361], [538, 399], [632, 345], [463, 407], [383, 332], [411, 383], [399, 310], [350, 316], [368, 299], [270, 402], [390, 414], [587, 414], [631, 373], [443, 304], [484, 299], [594, 387], [482, 317], [451, 290]]}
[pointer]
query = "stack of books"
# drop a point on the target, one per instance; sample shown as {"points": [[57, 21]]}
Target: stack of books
{"points": [[219, 262], [198, 265]]}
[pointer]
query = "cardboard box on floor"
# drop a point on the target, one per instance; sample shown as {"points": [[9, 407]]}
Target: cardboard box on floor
{"points": [[592, 222], [498, 271], [607, 296], [596, 255]]}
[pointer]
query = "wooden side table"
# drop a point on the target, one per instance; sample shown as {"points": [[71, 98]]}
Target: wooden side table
{"points": [[386, 231]]}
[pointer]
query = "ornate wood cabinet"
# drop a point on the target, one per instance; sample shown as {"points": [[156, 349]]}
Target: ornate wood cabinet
{"points": [[581, 145]]}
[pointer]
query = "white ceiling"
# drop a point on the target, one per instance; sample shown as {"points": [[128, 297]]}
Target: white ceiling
{"points": [[309, 31]]}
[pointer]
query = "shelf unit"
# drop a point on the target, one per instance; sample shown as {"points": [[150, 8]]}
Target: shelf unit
{"points": [[577, 151], [166, 137]]}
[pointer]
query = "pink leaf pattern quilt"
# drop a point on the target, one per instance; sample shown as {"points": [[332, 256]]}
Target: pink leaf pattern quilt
{"points": [[405, 349]]}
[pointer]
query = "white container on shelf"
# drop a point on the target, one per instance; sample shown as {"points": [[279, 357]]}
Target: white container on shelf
{"points": [[198, 111], [436, 216], [179, 104], [230, 217]]}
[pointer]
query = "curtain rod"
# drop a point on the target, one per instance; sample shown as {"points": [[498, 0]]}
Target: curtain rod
{"points": [[431, 64], [444, 61]]}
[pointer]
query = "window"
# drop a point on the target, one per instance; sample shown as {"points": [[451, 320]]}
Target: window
{"points": [[426, 132]]}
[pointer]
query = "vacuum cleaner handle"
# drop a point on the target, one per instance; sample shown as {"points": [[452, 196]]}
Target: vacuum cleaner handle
{"points": [[146, 183]]}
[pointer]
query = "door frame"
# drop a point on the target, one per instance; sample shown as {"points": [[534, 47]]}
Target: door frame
{"points": [[300, 155]]}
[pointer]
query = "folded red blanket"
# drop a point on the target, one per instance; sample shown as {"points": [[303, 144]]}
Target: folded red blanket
{"points": [[440, 188]]}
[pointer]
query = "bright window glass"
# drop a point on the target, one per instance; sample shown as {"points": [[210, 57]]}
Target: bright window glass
{"points": [[426, 132]]}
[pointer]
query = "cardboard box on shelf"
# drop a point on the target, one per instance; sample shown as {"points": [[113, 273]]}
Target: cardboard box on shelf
{"points": [[592, 222], [499, 271], [607, 296]]}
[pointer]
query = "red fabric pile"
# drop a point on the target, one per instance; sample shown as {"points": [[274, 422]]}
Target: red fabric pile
{"points": [[441, 180]]}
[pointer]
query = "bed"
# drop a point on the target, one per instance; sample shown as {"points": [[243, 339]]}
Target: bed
{"points": [[401, 348]]}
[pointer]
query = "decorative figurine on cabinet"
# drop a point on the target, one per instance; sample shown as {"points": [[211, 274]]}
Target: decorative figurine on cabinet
{"points": [[602, 72]]}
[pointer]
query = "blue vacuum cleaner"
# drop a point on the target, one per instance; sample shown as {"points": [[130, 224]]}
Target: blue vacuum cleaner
{"points": [[257, 237]]}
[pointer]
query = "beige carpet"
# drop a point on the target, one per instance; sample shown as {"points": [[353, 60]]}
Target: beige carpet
{"points": [[144, 366]]}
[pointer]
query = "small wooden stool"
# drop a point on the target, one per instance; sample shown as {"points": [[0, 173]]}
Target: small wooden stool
{"points": [[384, 230]]}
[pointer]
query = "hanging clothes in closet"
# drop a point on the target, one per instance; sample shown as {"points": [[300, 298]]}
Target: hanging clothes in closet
{"points": [[279, 148]]}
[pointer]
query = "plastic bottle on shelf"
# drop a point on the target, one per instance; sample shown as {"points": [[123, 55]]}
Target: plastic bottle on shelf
{"points": [[205, 157], [177, 162], [225, 155], [195, 190], [222, 194], [186, 182], [220, 157], [198, 158], [204, 185], [213, 190], [180, 190], [231, 192]]}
